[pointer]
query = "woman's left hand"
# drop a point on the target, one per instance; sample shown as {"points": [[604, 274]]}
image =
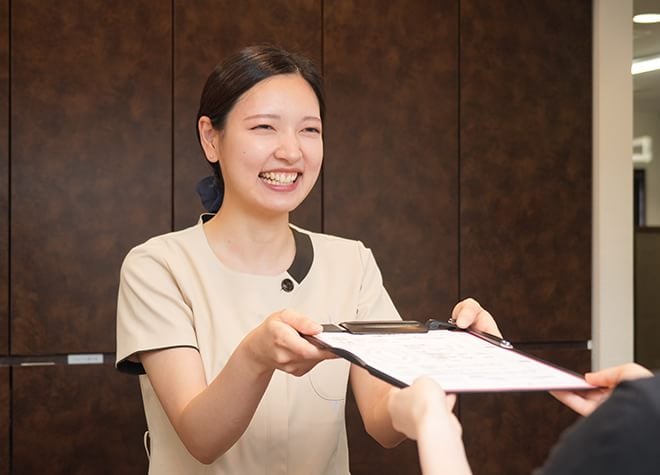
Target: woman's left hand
{"points": [[468, 313]]}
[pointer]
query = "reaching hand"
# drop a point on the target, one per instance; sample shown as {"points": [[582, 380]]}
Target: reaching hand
{"points": [[277, 344], [424, 413], [421, 404], [468, 313], [585, 402]]}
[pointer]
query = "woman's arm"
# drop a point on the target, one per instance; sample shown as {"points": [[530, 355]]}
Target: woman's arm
{"points": [[372, 397], [210, 418]]}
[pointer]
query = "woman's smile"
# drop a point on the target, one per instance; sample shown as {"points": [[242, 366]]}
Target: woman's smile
{"points": [[279, 178]]}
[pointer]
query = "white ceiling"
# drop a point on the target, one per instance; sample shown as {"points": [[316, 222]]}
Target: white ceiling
{"points": [[646, 42]]}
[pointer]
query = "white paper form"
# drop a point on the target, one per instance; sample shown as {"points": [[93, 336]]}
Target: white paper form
{"points": [[457, 360]]}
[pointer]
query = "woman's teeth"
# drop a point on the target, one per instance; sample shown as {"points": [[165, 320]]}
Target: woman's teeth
{"points": [[278, 178]]}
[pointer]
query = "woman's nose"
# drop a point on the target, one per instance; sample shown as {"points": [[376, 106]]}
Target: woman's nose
{"points": [[289, 148]]}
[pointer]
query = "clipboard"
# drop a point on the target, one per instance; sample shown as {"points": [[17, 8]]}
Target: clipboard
{"points": [[460, 360]]}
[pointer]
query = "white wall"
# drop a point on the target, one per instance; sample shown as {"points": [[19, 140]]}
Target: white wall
{"points": [[612, 291], [647, 122]]}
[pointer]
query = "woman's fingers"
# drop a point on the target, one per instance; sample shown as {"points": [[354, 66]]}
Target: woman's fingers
{"points": [[469, 313], [299, 322], [277, 343]]}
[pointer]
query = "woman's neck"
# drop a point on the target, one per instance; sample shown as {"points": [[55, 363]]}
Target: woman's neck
{"points": [[251, 244]]}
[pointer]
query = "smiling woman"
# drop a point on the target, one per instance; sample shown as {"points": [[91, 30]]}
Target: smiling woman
{"points": [[211, 317], [270, 149], [241, 89]]}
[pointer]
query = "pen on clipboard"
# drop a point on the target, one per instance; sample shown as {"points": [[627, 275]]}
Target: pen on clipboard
{"points": [[501, 342]]}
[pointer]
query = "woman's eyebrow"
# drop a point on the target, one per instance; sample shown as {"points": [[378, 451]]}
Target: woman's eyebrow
{"points": [[275, 116], [262, 116]]}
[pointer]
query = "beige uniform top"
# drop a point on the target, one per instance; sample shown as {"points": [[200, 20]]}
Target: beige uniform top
{"points": [[175, 292]]}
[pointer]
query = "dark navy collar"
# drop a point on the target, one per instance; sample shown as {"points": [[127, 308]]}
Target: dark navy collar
{"points": [[304, 258], [302, 262]]}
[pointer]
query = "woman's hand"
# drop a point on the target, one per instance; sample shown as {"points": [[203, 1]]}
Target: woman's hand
{"points": [[585, 402], [468, 313], [277, 344], [210, 417]]}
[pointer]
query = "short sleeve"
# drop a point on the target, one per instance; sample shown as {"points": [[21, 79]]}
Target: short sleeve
{"points": [[151, 310], [374, 303]]}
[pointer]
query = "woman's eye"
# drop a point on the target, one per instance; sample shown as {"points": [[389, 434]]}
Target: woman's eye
{"points": [[263, 127], [312, 130]]}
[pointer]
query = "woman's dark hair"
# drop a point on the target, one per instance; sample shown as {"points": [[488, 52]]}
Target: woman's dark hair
{"points": [[230, 80]]}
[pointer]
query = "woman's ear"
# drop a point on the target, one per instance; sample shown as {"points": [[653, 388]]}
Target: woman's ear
{"points": [[208, 137]]}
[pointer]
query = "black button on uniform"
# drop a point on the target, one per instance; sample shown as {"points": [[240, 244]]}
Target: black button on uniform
{"points": [[287, 285]]}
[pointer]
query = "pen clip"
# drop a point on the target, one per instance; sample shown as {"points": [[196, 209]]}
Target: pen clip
{"points": [[489, 337]]}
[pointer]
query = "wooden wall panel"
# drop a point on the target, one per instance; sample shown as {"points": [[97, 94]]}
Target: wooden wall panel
{"points": [[4, 177], [391, 143], [91, 162], [207, 31], [391, 162], [77, 420], [647, 298], [525, 178], [512, 433], [101, 161], [4, 420]]}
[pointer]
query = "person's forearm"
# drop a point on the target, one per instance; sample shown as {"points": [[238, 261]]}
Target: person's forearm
{"points": [[441, 450], [214, 420]]}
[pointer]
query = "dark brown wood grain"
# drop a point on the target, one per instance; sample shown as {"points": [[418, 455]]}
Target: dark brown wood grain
{"points": [[391, 143], [525, 177], [4, 177], [207, 31], [91, 162], [4, 420], [457, 147], [391, 162], [77, 420], [512, 433]]}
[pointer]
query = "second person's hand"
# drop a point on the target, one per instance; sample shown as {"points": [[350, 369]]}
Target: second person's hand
{"points": [[421, 404], [585, 402]]}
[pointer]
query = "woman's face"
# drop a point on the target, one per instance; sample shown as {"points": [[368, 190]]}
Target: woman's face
{"points": [[271, 147]]}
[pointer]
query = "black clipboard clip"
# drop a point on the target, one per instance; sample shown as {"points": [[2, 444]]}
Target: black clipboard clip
{"points": [[371, 327]]}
